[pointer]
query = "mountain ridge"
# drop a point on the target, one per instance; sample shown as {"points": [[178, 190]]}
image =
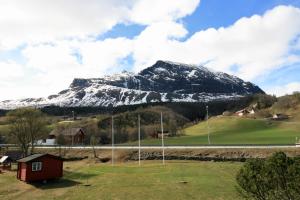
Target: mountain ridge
{"points": [[165, 81]]}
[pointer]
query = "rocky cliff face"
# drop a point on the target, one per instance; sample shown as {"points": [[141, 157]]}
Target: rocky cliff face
{"points": [[162, 82]]}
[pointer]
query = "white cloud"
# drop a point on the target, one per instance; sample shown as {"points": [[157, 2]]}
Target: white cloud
{"points": [[34, 21], [44, 20], [10, 70], [157, 41], [60, 39], [57, 64], [11, 79], [255, 45], [153, 11], [284, 89], [103, 56], [61, 44]]}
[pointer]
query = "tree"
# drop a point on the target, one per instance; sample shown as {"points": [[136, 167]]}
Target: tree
{"points": [[60, 140], [27, 125], [93, 143], [172, 126], [2, 139], [277, 178]]}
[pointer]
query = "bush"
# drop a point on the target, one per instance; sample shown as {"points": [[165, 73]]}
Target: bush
{"points": [[263, 114], [288, 101], [264, 101], [277, 178]]}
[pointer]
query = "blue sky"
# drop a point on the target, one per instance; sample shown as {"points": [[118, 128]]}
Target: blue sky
{"points": [[49, 43], [215, 13]]}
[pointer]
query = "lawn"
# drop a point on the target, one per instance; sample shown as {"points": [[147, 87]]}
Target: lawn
{"points": [[235, 130], [204, 180]]}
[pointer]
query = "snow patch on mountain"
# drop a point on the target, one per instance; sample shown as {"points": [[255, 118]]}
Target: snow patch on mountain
{"points": [[165, 81]]}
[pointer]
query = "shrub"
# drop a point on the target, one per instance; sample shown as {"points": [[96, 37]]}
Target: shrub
{"points": [[277, 178], [263, 114]]}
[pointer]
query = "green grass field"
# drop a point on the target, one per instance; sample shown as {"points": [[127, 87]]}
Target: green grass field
{"points": [[4, 129], [204, 180], [235, 130]]}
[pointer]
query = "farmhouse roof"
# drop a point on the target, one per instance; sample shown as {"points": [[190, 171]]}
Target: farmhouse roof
{"points": [[35, 156], [243, 111], [67, 132]]}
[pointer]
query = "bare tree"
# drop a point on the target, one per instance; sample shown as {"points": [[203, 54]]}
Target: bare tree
{"points": [[60, 140], [93, 143], [27, 125]]}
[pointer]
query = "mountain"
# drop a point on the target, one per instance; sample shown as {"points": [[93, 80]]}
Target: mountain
{"points": [[164, 81]]}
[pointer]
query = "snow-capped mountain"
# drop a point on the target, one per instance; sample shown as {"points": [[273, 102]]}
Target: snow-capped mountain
{"points": [[164, 81]]}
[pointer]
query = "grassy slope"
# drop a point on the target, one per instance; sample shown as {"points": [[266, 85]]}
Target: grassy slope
{"points": [[236, 130], [206, 180], [4, 129]]}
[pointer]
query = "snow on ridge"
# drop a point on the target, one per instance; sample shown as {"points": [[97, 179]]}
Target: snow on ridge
{"points": [[92, 100], [112, 90], [181, 64]]}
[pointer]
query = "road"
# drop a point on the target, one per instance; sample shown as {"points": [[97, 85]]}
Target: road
{"points": [[130, 147], [180, 147]]}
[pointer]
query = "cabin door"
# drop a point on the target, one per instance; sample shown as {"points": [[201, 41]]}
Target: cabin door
{"points": [[23, 171]]}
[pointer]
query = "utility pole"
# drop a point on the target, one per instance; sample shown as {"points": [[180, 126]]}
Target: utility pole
{"points": [[208, 138], [139, 121], [112, 140], [139, 127], [162, 137]]}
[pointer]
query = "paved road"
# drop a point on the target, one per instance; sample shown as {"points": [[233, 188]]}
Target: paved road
{"points": [[170, 147], [181, 147]]}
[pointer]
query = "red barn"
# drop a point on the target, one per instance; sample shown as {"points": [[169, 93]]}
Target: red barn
{"points": [[39, 167]]}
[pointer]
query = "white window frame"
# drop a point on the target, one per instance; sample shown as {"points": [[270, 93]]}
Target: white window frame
{"points": [[36, 166]]}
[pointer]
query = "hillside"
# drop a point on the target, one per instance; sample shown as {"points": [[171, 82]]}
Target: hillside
{"points": [[181, 120], [235, 130], [164, 81]]}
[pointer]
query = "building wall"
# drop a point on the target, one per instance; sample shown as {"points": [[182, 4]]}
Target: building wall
{"points": [[75, 140], [51, 169]]}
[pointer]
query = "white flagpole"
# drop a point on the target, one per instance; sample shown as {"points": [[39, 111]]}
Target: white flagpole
{"points": [[208, 138], [162, 137], [139, 120], [112, 140], [139, 124]]}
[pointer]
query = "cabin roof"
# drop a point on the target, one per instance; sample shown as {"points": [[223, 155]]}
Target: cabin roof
{"points": [[67, 132], [35, 156]]}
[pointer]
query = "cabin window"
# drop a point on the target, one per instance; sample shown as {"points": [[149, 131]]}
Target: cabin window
{"points": [[36, 166]]}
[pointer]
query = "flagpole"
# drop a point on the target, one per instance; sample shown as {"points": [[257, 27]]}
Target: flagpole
{"points": [[139, 126], [139, 120], [162, 137], [208, 137], [112, 140]]}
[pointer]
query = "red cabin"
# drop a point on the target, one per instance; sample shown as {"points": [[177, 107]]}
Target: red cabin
{"points": [[39, 167]]}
